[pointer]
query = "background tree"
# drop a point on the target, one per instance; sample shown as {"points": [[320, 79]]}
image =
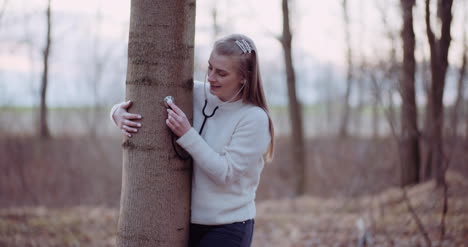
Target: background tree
{"points": [[409, 141], [439, 62], [295, 111], [214, 17], [343, 131], [43, 126], [3, 8], [155, 200], [457, 109]]}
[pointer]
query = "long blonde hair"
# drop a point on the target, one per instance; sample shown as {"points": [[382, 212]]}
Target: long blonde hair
{"points": [[249, 69]]}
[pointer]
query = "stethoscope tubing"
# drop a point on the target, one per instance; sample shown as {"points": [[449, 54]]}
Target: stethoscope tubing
{"points": [[206, 116]]}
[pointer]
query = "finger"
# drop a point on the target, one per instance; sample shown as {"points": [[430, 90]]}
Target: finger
{"points": [[131, 123], [172, 113], [178, 118], [176, 109], [170, 125], [128, 129], [173, 121], [126, 133], [127, 104], [132, 116]]}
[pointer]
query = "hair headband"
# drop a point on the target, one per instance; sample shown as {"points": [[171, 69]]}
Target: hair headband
{"points": [[244, 46]]}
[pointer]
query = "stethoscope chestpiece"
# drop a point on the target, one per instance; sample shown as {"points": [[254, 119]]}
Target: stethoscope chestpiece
{"points": [[167, 100]]}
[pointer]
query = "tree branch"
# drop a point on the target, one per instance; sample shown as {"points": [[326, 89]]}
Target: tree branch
{"points": [[421, 228]]}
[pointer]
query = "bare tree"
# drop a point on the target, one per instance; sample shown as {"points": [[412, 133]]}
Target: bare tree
{"points": [[457, 110], [295, 110], [390, 68], [409, 136], [343, 132], [214, 16], [44, 132], [439, 62], [101, 57], [376, 94], [3, 8], [96, 72], [155, 199]]}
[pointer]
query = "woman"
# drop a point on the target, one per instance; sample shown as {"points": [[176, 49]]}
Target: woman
{"points": [[231, 133]]}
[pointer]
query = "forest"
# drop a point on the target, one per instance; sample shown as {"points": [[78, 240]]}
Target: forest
{"points": [[369, 100]]}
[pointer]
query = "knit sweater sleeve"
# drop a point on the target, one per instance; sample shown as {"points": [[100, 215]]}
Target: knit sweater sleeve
{"points": [[112, 111], [247, 146]]}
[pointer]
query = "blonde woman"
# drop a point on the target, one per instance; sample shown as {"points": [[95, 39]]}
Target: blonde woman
{"points": [[232, 132]]}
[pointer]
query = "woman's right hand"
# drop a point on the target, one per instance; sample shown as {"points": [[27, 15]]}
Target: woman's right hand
{"points": [[125, 120]]}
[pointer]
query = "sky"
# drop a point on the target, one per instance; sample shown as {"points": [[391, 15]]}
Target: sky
{"points": [[318, 43]]}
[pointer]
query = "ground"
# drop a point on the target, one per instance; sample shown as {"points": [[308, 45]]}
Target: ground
{"points": [[382, 219]]}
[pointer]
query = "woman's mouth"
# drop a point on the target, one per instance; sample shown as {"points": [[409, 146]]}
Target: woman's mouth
{"points": [[214, 87]]}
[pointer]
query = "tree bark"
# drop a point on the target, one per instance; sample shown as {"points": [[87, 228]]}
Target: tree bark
{"points": [[44, 132], [439, 63], [156, 184], [295, 111], [343, 131], [409, 140]]}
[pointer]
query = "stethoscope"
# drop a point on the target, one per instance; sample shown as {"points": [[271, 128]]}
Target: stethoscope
{"points": [[206, 116]]}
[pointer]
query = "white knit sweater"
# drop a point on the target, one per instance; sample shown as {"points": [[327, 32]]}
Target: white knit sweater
{"points": [[228, 158]]}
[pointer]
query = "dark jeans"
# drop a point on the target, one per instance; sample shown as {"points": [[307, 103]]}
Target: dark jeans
{"points": [[238, 234]]}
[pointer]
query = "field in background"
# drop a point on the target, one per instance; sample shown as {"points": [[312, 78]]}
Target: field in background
{"points": [[68, 171], [82, 121]]}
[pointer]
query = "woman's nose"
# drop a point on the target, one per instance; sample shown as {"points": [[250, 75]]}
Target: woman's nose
{"points": [[211, 77]]}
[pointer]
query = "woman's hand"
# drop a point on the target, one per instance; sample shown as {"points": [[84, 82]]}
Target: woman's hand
{"points": [[177, 121], [123, 119]]}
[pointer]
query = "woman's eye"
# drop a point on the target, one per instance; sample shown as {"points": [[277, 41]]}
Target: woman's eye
{"points": [[209, 68]]}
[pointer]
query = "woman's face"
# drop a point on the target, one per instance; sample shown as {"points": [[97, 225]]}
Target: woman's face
{"points": [[223, 76]]}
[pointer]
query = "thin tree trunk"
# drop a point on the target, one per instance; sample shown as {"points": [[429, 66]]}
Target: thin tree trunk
{"points": [[391, 72], [44, 132], [409, 141], [3, 8], [343, 131], [156, 185], [424, 135], [295, 111], [457, 110], [214, 16], [357, 113], [97, 74], [439, 63], [376, 94]]}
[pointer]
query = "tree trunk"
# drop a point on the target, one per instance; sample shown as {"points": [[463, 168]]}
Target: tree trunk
{"points": [[457, 110], [343, 132], [439, 63], [295, 111], [156, 185], [97, 73], [409, 141], [376, 97], [214, 16], [44, 132]]}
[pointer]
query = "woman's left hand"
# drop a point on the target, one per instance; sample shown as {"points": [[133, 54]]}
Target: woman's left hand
{"points": [[177, 121]]}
